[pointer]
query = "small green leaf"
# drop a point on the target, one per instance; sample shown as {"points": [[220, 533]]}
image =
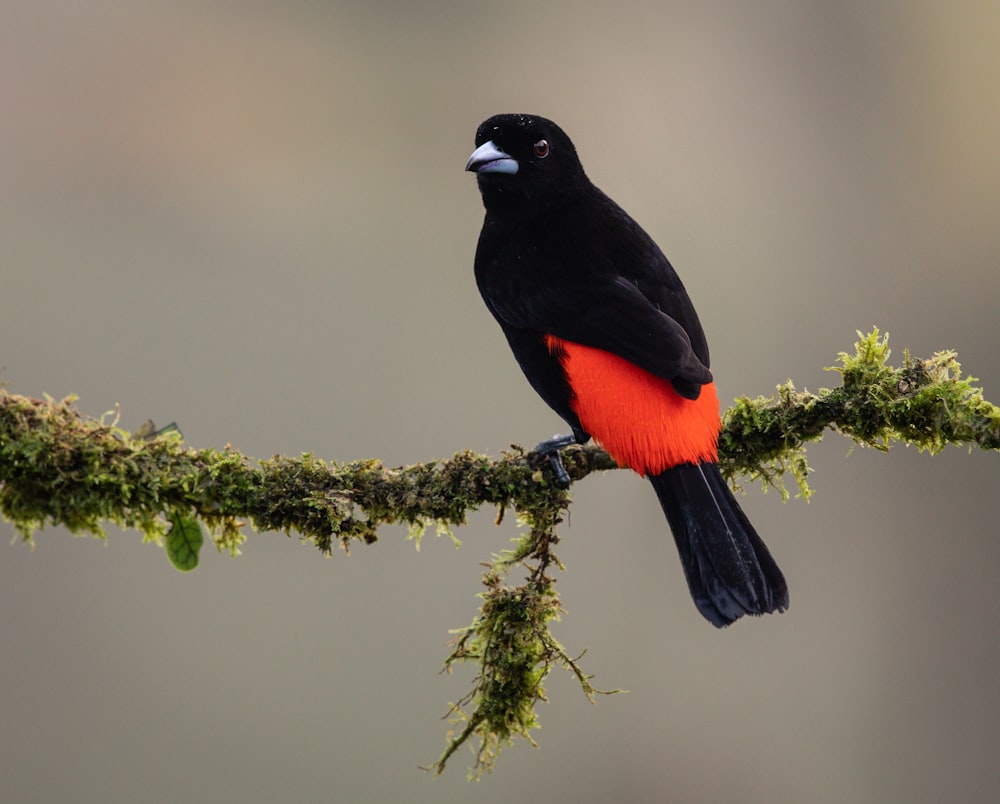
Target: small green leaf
{"points": [[184, 541]]}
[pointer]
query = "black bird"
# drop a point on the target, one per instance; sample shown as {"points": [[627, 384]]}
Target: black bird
{"points": [[606, 334]]}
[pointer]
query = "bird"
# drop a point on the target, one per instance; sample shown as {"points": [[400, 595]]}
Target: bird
{"points": [[605, 333]]}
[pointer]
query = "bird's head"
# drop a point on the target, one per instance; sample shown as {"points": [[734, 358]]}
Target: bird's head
{"points": [[521, 156]]}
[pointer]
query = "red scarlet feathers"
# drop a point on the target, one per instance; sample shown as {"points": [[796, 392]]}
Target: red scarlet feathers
{"points": [[636, 416]]}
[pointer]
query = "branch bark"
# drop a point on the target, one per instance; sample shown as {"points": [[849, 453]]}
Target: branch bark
{"points": [[59, 467]]}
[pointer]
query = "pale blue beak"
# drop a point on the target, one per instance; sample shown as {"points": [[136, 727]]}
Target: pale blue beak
{"points": [[487, 158]]}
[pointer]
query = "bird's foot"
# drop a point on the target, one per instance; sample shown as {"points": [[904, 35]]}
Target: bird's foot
{"points": [[550, 449]]}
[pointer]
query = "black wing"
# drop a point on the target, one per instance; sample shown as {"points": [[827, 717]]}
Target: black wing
{"points": [[591, 275]]}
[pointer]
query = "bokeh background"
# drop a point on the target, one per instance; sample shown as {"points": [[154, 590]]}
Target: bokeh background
{"points": [[251, 218]]}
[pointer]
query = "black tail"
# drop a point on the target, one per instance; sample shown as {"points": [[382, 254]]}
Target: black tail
{"points": [[729, 569]]}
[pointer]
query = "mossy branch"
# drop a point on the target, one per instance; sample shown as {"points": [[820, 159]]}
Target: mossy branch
{"points": [[924, 403], [60, 467]]}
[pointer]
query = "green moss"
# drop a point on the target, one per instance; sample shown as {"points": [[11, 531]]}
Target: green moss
{"points": [[924, 403], [514, 650], [58, 467]]}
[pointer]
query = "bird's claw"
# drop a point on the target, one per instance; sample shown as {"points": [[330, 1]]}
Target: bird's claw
{"points": [[550, 449], [562, 476]]}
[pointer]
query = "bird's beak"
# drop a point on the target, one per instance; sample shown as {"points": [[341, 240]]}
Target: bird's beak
{"points": [[487, 158]]}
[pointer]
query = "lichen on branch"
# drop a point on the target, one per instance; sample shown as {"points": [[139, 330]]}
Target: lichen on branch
{"points": [[59, 467]]}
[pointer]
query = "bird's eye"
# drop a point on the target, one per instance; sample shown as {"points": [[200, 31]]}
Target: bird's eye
{"points": [[541, 149]]}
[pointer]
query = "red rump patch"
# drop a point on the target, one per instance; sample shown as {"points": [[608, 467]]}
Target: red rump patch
{"points": [[638, 417]]}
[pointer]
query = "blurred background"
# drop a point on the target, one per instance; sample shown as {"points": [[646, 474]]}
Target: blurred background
{"points": [[251, 218]]}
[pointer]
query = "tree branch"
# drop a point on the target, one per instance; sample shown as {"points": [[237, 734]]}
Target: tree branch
{"points": [[60, 467]]}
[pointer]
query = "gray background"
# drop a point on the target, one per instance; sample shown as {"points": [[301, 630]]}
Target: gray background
{"points": [[252, 219]]}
